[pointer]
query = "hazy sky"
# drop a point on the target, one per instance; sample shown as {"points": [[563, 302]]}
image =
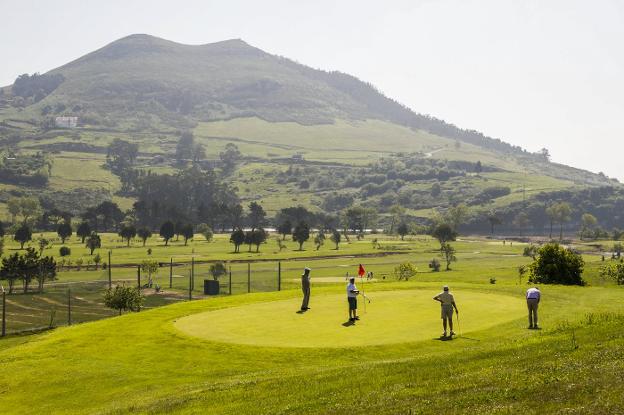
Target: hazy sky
{"points": [[532, 72]]}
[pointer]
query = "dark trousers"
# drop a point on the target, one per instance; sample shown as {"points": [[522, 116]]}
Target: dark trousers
{"points": [[532, 304], [306, 297]]}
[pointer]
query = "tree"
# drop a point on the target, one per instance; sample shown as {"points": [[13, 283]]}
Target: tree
{"points": [[402, 230], [478, 167], [28, 208], [149, 267], [405, 271], [436, 190], [284, 228], [96, 260], [444, 233], [127, 232], [618, 248], [494, 220], [2, 231], [229, 157], [110, 214], [185, 146], [530, 251], [562, 212], [167, 230], [43, 243], [123, 298], [336, 238], [187, 232], [319, 240], [94, 242], [397, 212], [11, 270], [206, 231], [521, 221], [46, 271], [258, 237], [588, 222], [22, 235], [217, 270], [551, 212], [237, 238], [83, 231], [301, 233], [556, 265], [448, 254], [64, 231], [256, 215], [144, 233], [456, 215]]}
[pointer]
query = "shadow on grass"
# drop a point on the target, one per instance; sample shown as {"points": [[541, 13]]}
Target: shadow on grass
{"points": [[348, 323]]}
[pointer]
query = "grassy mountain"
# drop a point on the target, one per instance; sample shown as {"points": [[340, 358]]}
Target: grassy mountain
{"points": [[145, 89]]}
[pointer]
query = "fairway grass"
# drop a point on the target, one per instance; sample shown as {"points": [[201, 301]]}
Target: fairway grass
{"points": [[391, 317]]}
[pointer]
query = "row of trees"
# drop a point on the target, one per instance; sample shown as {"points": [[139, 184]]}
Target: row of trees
{"points": [[29, 266]]}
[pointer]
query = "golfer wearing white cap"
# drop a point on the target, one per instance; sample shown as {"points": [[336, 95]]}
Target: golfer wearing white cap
{"points": [[446, 300], [305, 287]]}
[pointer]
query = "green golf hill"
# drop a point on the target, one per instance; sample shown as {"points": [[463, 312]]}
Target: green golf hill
{"points": [[391, 317], [177, 359]]}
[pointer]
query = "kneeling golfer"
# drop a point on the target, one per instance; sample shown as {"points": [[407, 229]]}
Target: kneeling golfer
{"points": [[448, 304], [352, 293]]}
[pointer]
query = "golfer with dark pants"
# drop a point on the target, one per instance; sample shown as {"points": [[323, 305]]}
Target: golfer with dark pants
{"points": [[352, 293], [533, 296], [305, 287]]}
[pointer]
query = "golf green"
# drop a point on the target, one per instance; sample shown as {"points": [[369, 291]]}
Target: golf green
{"points": [[391, 317]]}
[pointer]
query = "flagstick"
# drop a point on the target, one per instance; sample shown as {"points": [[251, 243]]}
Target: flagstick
{"points": [[363, 294]]}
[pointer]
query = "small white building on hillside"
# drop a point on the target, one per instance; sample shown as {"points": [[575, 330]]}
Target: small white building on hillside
{"points": [[66, 122]]}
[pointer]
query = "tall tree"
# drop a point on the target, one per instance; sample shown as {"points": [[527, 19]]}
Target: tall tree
{"points": [[237, 238], [94, 242], [64, 231], [22, 235], [187, 232], [144, 233], [563, 213], [284, 228], [256, 215], [83, 231], [229, 157], [588, 222], [301, 234], [185, 147], [127, 232], [494, 220], [167, 230], [336, 237], [402, 230]]}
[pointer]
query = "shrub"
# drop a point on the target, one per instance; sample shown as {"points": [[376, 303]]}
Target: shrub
{"points": [[435, 265], [555, 264], [613, 270], [405, 271], [217, 270], [64, 251]]}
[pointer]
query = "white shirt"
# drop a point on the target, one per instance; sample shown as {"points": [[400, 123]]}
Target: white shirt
{"points": [[351, 287], [533, 294], [446, 298]]}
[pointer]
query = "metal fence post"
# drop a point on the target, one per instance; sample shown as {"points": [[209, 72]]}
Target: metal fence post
{"points": [[190, 286], [249, 277], [171, 273], [192, 273], [139, 277], [3, 312], [279, 276], [69, 321], [230, 289], [110, 278]]}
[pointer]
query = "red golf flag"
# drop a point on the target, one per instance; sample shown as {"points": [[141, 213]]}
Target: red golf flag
{"points": [[361, 271]]}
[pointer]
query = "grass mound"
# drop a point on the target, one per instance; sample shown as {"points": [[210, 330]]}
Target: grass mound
{"points": [[392, 317]]}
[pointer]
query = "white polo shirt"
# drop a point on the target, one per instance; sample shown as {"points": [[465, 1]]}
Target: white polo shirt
{"points": [[351, 287]]}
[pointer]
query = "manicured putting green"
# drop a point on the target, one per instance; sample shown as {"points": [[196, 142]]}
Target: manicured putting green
{"points": [[392, 317]]}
